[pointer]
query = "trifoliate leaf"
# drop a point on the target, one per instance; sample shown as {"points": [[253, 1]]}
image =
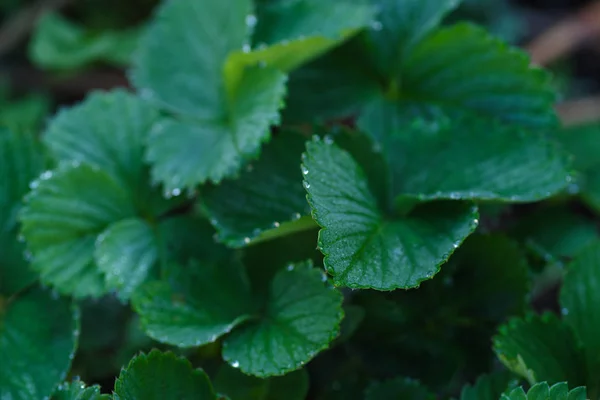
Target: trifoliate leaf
{"points": [[365, 249], [301, 318], [562, 236], [60, 44], [399, 388], [476, 159], [38, 337], [540, 348], [267, 201], [108, 130], [402, 24], [202, 303], [21, 160], [580, 298], [64, 214], [487, 387], [583, 144], [77, 390], [223, 119], [238, 386], [126, 252], [160, 376], [436, 80], [542, 391], [298, 31]]}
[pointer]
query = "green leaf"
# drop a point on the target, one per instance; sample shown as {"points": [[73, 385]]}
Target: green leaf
{"points": [[402, 24], [583, 144], [298, 31], [540, 348], [542, 391], [126, 252], [24, 114], [562, 236], [362, 247], [508, 164], [487, 387], [77, 390], [60, 44], [159, 376], [436, 79], [63, 215], [267, 201], [203, 303], [238, 386], [398, 388], [108, 130], [302, 316], [579, 298], [223, 119], [38, 338], [21, 160]]}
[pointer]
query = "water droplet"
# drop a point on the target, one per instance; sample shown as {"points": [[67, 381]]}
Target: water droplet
{"points": [[34, 184], [304, 170], [75, 163], [455, 245], [316, 138], [176, 192], [296, 216], [251, 20], [290, 267], [376, 25], [235, 364], [246, 240], [569, 178], [261, 46], [328, 139], [306, 185], [246, 48], [46, 175], [565, 311], [21, 238], [276, 224], [476, 221]]}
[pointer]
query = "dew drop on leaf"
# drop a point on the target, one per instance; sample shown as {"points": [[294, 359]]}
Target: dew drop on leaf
{"points": [[376, 25], [306, 185], [251, 20], [304, 170]]}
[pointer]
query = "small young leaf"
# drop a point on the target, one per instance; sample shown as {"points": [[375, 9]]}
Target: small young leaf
{"points": [[203, 303], [38, 338], [362, 248], [540, 348], [399, 388], [542, 391], [238, 386], [160, 376], [223, 119], [266, 201], [302, 316], [580, 297], [59, 44], [499, 162], [487, 387], [76, 390], [63, 215], [126, 252]]}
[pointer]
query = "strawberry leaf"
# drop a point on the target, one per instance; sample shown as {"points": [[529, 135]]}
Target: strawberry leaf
{"points": [[542, 391]]}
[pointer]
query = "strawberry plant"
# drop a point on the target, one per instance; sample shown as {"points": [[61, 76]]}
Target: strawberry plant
{"points": [[296, 199]]}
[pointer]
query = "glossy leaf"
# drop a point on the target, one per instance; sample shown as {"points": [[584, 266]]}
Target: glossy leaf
{"points": [[60, 44], [64, 214], [399, 388], [204, 302], [542, 391], [238, 386], [267, 201], [487, 387], [223, 119], [540, 348], [302, 316], [402, 24], [38, 338], [77, 390], [159, 376], [365, 249], [579, 298], [476, 159], [126, 252]]}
